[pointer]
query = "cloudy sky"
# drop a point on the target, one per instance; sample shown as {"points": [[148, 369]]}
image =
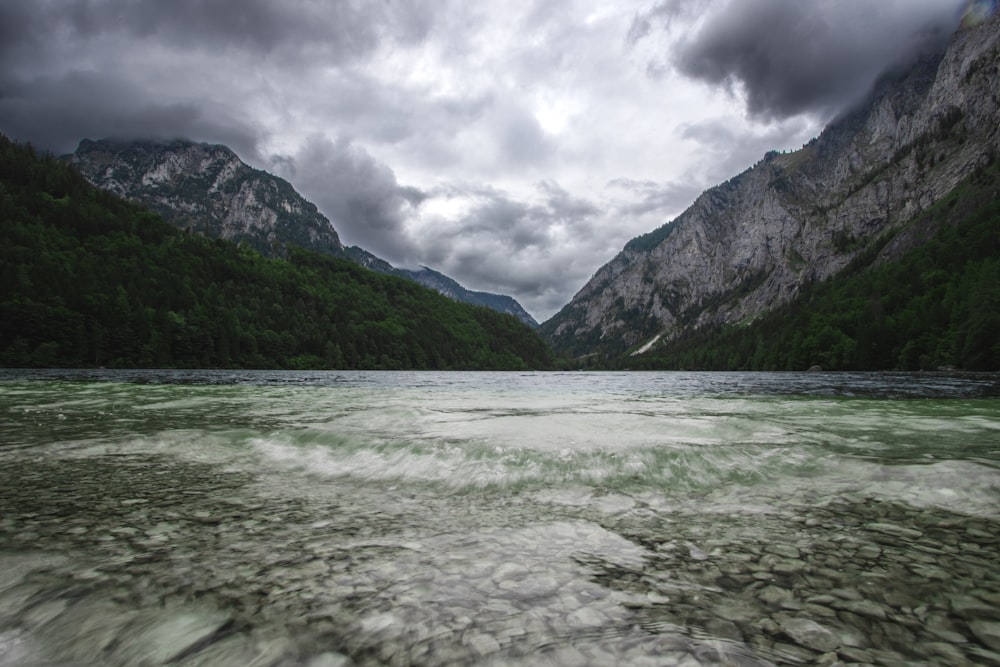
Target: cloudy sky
{"points": [[515, 146]]}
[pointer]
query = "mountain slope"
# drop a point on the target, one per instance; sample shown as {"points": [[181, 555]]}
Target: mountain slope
{"points": [[935, 308], [756, 241], [208, 189], [445, 285], [442, 284], [87, 279]]}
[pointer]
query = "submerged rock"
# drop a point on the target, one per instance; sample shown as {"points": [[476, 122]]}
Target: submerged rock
{"points": [[809, 634], [165, 638], [987, 632]]}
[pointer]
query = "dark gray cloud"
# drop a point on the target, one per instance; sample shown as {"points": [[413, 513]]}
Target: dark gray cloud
{"points": [[560, 205], [503, 220], [644, 197], [509, 244], [71, 69], [360, 195], [57, 112], [727, 150], [336, 29], [789, 57]]}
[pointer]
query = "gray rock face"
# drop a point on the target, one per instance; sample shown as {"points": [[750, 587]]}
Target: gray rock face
{"points": [[210, 190], [751, 243]]}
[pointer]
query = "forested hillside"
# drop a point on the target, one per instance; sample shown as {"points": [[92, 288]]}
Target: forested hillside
{"points": [[939, 305], [90, 280]]}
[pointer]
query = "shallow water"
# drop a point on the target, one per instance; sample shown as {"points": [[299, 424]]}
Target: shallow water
{"points": [[277, 518]]}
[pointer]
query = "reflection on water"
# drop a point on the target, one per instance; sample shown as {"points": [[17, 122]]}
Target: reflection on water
{"points": [[220, 518]]}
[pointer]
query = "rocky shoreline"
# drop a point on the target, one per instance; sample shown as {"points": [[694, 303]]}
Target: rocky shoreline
{"points": [[148, 560]]}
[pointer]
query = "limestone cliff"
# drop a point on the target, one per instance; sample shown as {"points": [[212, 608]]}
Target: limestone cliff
{"points": [[751, 243], [210, 190]]}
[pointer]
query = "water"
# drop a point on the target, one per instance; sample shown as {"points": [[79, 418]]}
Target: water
{"points": [[277, 518]]}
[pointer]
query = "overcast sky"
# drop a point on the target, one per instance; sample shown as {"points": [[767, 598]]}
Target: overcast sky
{"points": [[515, 146]]}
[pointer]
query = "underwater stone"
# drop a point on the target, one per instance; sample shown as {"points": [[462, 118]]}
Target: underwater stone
{"points": [[586, 617], [894, 530], [789, 566], [864, 608], [783, 550], [481, 643], [774, 595], [971, 607], [330, 659], [809, 634], [988, 632], [856, 654], [949, 652], [167, 638]]}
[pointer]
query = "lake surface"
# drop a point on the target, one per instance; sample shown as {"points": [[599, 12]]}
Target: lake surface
{"points": [[333, 519]]}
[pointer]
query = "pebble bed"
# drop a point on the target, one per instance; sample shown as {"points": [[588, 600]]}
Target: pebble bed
{"points": [[148, 560]]}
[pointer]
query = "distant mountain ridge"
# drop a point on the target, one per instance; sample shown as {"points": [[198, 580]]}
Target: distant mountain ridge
{"points": [[208, 189], [793, 219], [445, 285]]}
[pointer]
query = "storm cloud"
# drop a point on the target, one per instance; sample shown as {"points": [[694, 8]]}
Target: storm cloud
{"points": [[334, 31], [493, 238], [56, 112], [95, 68], [788, 57], [642, 197], [358, 193]]}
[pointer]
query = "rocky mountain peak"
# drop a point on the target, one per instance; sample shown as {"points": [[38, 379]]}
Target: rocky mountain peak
{"points": [[209, 189], [751, 243]]}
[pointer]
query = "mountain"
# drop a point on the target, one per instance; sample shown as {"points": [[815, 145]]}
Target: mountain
{"points": [[208, 189], [936, 307], [88, 279], [442, 284], [445, 285], [793, 220]]}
